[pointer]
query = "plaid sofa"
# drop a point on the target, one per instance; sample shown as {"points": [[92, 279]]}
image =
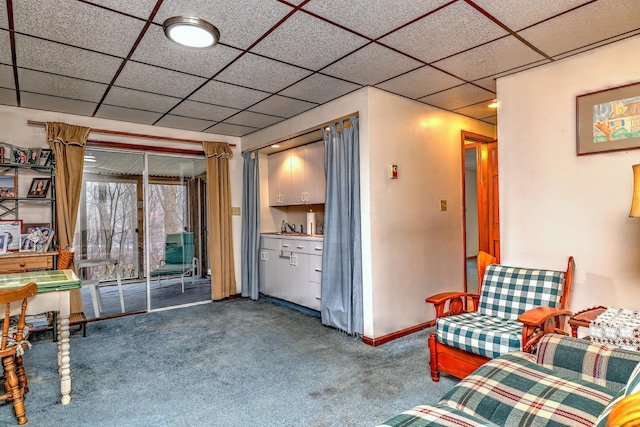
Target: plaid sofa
{"points": [[568, 382], [507, 292]]}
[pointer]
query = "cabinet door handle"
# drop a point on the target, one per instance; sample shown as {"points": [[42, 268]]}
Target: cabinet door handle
{"points": [[300, 246], [317, 248], [284, 245], [318, 298], [319, 270]]}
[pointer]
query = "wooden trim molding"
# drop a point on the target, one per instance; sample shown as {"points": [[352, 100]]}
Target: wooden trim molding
{"points": [[374, 342]]}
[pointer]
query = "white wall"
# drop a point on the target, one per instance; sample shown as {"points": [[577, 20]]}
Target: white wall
{"points": [[16, 131], [555, 204], [417, 250]]}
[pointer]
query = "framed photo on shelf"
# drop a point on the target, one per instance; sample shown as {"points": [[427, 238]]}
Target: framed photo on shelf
{"points": [[5, 153], [13, 228], [26, 244], [8, 185], [45, 157], [30, 227], [608, 120], [39, 188], [34, 156], [45, 237], [19, 155], [4, 238]]}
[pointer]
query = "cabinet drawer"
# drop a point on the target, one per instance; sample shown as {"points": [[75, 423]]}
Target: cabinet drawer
{"points": [[315, 269], [270, 243], [26, 263]]}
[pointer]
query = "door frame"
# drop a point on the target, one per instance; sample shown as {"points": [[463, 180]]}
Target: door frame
{"points": [[486, 162]]}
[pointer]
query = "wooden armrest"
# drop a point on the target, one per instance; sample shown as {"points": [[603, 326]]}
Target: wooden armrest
{"points": [[443, 297], [539, 315]]}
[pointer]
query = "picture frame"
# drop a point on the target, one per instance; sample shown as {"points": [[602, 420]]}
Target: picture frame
{"points": [[26, 244], [33, 157], [608, 120], [45, 157], [5, 153], [19, 155], [4, 238], [13, 228], [39, 188], [30, 227], [8, 185]]}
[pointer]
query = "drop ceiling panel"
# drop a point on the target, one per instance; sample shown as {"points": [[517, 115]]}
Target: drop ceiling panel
{"points": [[4, 22], [261, 73], [8, 97], [518, 14], [488, 83], [373, 18], [596, 21], [256, 120], [371, 65], [233, 96], [319, 88], [490, 59], [478, 111], [229, 129], [90, 32], [241, 22], [127, 114], [445, 32], [458, 97], [201, 110], [156, 49], [54, 103], [596, 45], [6, 77], [281, 106], [65, 60], [5, 54], [66, 87], [178, 122], [140, 8], [123, 97], [421, 82], [308, 42], [139, 76]]}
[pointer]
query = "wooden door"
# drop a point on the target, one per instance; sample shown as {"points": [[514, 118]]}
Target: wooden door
{"points": [[493, 202]]}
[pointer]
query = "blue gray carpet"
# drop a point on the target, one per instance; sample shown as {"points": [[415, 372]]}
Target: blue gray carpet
{"points": [[233, 363]]}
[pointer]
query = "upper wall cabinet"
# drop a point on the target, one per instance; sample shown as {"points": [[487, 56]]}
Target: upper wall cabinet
{"points": [[296, 176]]}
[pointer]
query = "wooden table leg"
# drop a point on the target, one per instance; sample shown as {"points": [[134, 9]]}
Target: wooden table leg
{"points": [[64, 358]]}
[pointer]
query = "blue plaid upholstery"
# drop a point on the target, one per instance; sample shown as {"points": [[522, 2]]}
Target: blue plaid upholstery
{"points": [[478, 333], [506, 293]]}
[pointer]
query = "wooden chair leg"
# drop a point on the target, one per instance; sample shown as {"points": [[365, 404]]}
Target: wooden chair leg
{"points": [[22, 375], [433, 362], [16, 396]]}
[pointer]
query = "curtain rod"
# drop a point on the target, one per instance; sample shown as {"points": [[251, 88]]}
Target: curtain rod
{"points": [[137, 135]]}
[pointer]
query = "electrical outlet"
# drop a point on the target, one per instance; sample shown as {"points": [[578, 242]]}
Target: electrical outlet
{"points": [[443, 205], [235, 210]]}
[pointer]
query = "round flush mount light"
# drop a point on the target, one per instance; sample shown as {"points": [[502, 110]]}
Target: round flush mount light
{"points": [[191, 32]]}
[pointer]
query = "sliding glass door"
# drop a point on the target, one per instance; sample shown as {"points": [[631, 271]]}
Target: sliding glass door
{"points": [[139, 232]]}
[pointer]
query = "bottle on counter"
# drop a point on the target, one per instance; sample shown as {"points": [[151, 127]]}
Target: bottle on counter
{"points": [[283, 228]]}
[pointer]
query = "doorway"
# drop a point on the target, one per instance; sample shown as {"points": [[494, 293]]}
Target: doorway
{"points": [[481, 220]]}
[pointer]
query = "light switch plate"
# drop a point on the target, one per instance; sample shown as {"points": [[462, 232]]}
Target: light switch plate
{"points": [[235, 210]]}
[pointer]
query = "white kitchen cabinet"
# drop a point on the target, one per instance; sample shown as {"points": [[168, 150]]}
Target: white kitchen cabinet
{"points": [[296, 176], [292, 271]]}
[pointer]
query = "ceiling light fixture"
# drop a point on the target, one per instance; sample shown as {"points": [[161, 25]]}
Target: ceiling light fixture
{"points": [[191, 32], [494, 104]]}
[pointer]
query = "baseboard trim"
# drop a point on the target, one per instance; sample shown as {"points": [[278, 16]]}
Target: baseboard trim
{"points": [[374, 342]]}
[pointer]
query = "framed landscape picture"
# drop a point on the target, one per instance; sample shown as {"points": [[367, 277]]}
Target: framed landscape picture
{"points": [[8, 185], [608, 120]]}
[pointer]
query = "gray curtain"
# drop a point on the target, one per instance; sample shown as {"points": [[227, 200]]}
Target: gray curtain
{"points": [[250, 225], [342, 254]]}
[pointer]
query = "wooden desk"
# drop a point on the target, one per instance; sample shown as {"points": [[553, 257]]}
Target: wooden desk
{"points": [[24, 261], [54, 288], [584, 318]]}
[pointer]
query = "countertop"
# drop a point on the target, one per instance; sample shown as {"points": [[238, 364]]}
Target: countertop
{"points": [[295, 236]]}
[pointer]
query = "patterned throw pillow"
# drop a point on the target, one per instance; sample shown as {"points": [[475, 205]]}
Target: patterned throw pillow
{"points": [[633, 386]]}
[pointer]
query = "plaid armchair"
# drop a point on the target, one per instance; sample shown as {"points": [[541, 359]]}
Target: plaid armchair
{"points": [[513, 309]]}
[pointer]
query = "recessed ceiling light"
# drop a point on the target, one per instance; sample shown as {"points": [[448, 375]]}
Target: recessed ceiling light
{"points": [[494, 104], [275, 146], [191, 32]]}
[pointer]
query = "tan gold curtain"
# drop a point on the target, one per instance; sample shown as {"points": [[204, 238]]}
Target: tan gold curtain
{"points": [[68, 142], [223, 277]]}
